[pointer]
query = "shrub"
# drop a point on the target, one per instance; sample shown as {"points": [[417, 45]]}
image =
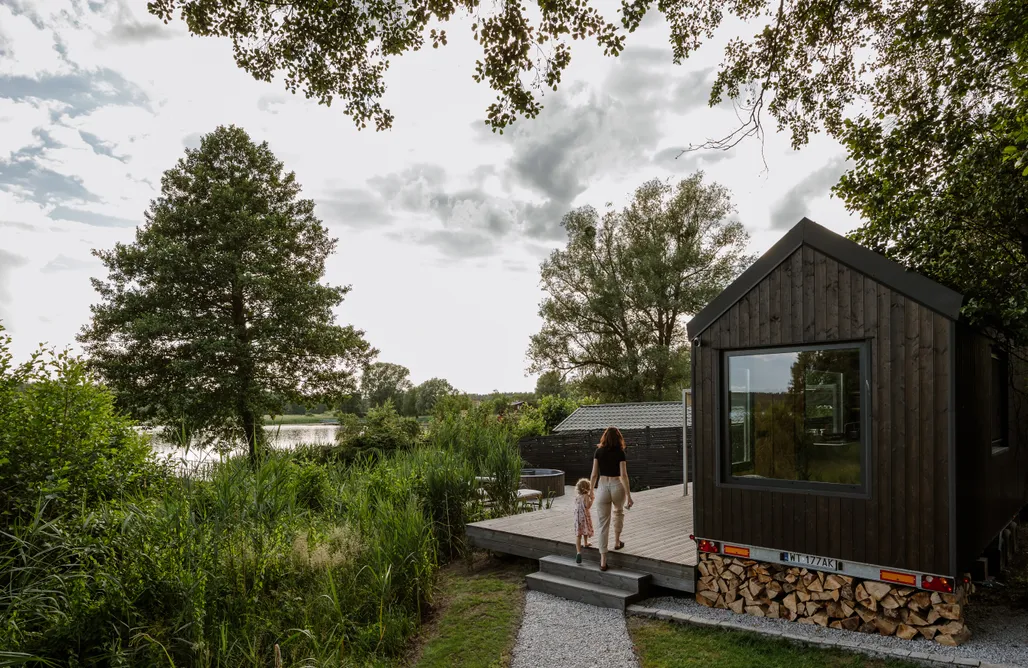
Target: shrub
{"points": [[123, 565], [313, 488], [380, 432], [62, 441]]}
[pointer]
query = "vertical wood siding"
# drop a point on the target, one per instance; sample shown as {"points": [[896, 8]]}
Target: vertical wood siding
{"points": [[812, 298], [991, 489]]}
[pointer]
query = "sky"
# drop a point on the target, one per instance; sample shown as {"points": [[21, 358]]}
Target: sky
{"points": [[441, 224]]}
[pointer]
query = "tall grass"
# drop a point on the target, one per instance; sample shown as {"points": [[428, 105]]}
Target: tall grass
{"points": [[334, 565]]}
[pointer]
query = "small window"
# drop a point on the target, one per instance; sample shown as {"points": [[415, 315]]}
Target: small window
{"points": [[999, 399], [796, 417]]}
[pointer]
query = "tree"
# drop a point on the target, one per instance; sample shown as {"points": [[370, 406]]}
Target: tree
{"points": [[618, 293], [805, 65], [429, 393], [383, 381], [942, 80], [550, 383], [216, 315], [351, 404], [958, 215]]}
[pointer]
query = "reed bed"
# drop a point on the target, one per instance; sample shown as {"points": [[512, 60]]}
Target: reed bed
{"points": [[325, 565]]}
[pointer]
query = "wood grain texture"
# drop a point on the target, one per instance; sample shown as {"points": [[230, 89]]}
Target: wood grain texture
{"points": [[991, 487], [654, 455], [657, 527], [811, 298]]}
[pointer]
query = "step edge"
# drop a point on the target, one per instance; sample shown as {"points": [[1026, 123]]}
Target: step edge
{"points": [[578, 584], [593, 566]]}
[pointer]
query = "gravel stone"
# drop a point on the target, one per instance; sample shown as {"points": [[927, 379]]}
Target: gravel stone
{"points": [[998, 635], [558, 632]]}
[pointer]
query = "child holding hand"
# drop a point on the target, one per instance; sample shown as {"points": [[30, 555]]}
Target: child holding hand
{"points": [[583, 516]]}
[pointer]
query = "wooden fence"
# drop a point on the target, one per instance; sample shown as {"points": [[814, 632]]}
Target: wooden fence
{"points": [[654, 455]]}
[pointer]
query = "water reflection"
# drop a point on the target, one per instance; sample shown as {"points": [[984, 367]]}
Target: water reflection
{"points": [[286, 437]]}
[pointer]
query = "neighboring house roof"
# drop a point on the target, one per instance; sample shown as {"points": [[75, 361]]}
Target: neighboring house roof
{"points": [[624, 416], [923, 290]]}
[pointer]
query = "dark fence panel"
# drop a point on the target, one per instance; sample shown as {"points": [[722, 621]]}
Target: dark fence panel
{"points": [[654, 455]]}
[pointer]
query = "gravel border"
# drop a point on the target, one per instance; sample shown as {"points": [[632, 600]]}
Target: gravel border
{"points": [[559, 632], [999, 636]]}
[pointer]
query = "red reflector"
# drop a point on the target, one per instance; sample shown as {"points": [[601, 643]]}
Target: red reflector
{"points": [[899, 578], [708, 546], [935, 583], [737, 551]]}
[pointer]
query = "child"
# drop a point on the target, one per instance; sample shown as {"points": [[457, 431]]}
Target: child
{"points": [[583, 518]]}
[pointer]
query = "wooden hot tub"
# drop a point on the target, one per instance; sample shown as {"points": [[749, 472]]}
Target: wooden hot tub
{"points": [[548, 481]]}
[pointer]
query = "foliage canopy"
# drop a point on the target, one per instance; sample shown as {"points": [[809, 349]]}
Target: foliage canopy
{"points": [[618, 293], [216, 315], [929, 96]]}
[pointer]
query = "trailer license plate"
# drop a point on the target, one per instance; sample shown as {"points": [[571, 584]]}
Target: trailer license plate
{"points": [[811, 561]]}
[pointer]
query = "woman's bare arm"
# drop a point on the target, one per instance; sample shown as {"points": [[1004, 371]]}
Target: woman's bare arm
{"points": [[594, 477], [624, 482]]}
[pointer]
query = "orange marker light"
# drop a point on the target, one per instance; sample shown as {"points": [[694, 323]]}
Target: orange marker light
{"points": [[899, 578], [737, 551]]}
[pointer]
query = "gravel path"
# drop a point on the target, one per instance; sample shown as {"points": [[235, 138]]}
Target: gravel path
{"points": [[558, 632], [998, 635]]}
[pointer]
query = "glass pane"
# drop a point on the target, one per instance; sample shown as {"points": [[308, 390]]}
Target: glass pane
{"points": [[796, 415]]}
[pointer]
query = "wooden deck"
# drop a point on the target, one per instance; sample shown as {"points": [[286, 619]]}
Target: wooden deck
{"points": [[656, 536]]}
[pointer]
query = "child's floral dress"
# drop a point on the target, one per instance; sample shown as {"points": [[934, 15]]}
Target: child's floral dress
{"points": [[583, 518]]}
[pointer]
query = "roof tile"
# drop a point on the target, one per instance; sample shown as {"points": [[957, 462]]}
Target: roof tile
{"points": [[624, 416]]}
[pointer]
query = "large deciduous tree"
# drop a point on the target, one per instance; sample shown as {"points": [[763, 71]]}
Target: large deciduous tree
{"points": [[384, 381], [917, 89], [550, 383], [428, 394], [618, 294], [216, 314]]}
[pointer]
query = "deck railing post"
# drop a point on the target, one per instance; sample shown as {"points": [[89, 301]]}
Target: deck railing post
{"points": [[685, 442]]}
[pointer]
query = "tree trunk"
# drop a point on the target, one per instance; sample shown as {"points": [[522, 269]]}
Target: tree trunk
{"points": [[244, 376]]}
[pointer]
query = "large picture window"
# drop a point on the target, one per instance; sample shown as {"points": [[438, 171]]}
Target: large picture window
{"points": [[796, 416]]}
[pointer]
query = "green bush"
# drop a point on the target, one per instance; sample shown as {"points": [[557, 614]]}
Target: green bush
{"points": [[380, 432], [62, 442], [126, 565]]}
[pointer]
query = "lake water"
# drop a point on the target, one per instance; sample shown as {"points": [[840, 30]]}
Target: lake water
{"points": [[286, 437]]}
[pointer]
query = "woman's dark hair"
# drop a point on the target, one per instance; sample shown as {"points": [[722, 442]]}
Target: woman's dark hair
{"points": [[612, 438]]}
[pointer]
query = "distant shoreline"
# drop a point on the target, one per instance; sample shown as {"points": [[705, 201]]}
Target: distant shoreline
{"points": [[319, 418]]}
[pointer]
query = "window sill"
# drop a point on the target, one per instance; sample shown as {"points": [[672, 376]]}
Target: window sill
{"points": [[996, 451], [795, 487]]}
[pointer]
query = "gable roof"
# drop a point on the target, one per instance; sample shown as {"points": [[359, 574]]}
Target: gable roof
{"points": [[921, 289], [624, 416]]}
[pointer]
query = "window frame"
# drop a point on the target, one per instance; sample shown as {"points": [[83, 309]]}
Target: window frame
{"points": [[724, 477], [1001, 445]]}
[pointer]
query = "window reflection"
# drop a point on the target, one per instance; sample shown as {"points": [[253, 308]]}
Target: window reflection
{"points": [[796, 415]]}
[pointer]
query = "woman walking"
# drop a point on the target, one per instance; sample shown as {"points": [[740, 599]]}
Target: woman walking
{"points": [[610, 480]]}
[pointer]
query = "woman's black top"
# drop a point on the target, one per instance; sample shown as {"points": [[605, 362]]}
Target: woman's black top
{"points": [[610, 461]]}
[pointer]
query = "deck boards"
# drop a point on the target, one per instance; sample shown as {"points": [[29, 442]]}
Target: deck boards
{"points": [[656, 532]]}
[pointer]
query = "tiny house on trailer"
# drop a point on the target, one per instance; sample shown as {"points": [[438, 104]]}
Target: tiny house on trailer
{"points": [[846, 419]]}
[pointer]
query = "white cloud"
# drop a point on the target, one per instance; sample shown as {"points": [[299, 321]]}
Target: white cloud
{"points": [[441, 224]]}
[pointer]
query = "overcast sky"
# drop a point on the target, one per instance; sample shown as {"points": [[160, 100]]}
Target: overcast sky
{"points": [[441, 224]]}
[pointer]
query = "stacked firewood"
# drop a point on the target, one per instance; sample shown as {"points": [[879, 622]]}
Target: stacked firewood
{"points": [[832, 600]]}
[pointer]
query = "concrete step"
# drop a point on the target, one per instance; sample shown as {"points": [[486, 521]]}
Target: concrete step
{"points": [[583, 592], [589, 571]]}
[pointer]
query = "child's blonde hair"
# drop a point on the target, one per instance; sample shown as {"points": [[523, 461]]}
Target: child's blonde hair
{"points": [[583, 486]]}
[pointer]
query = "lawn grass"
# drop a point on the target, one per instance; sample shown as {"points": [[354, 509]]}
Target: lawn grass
{"points": [[477, 613], [666, 645], [299, 419]]}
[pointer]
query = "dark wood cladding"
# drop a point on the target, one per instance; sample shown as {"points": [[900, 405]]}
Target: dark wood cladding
{"points": [[905, 523], [991, 487], [654, 455]]}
